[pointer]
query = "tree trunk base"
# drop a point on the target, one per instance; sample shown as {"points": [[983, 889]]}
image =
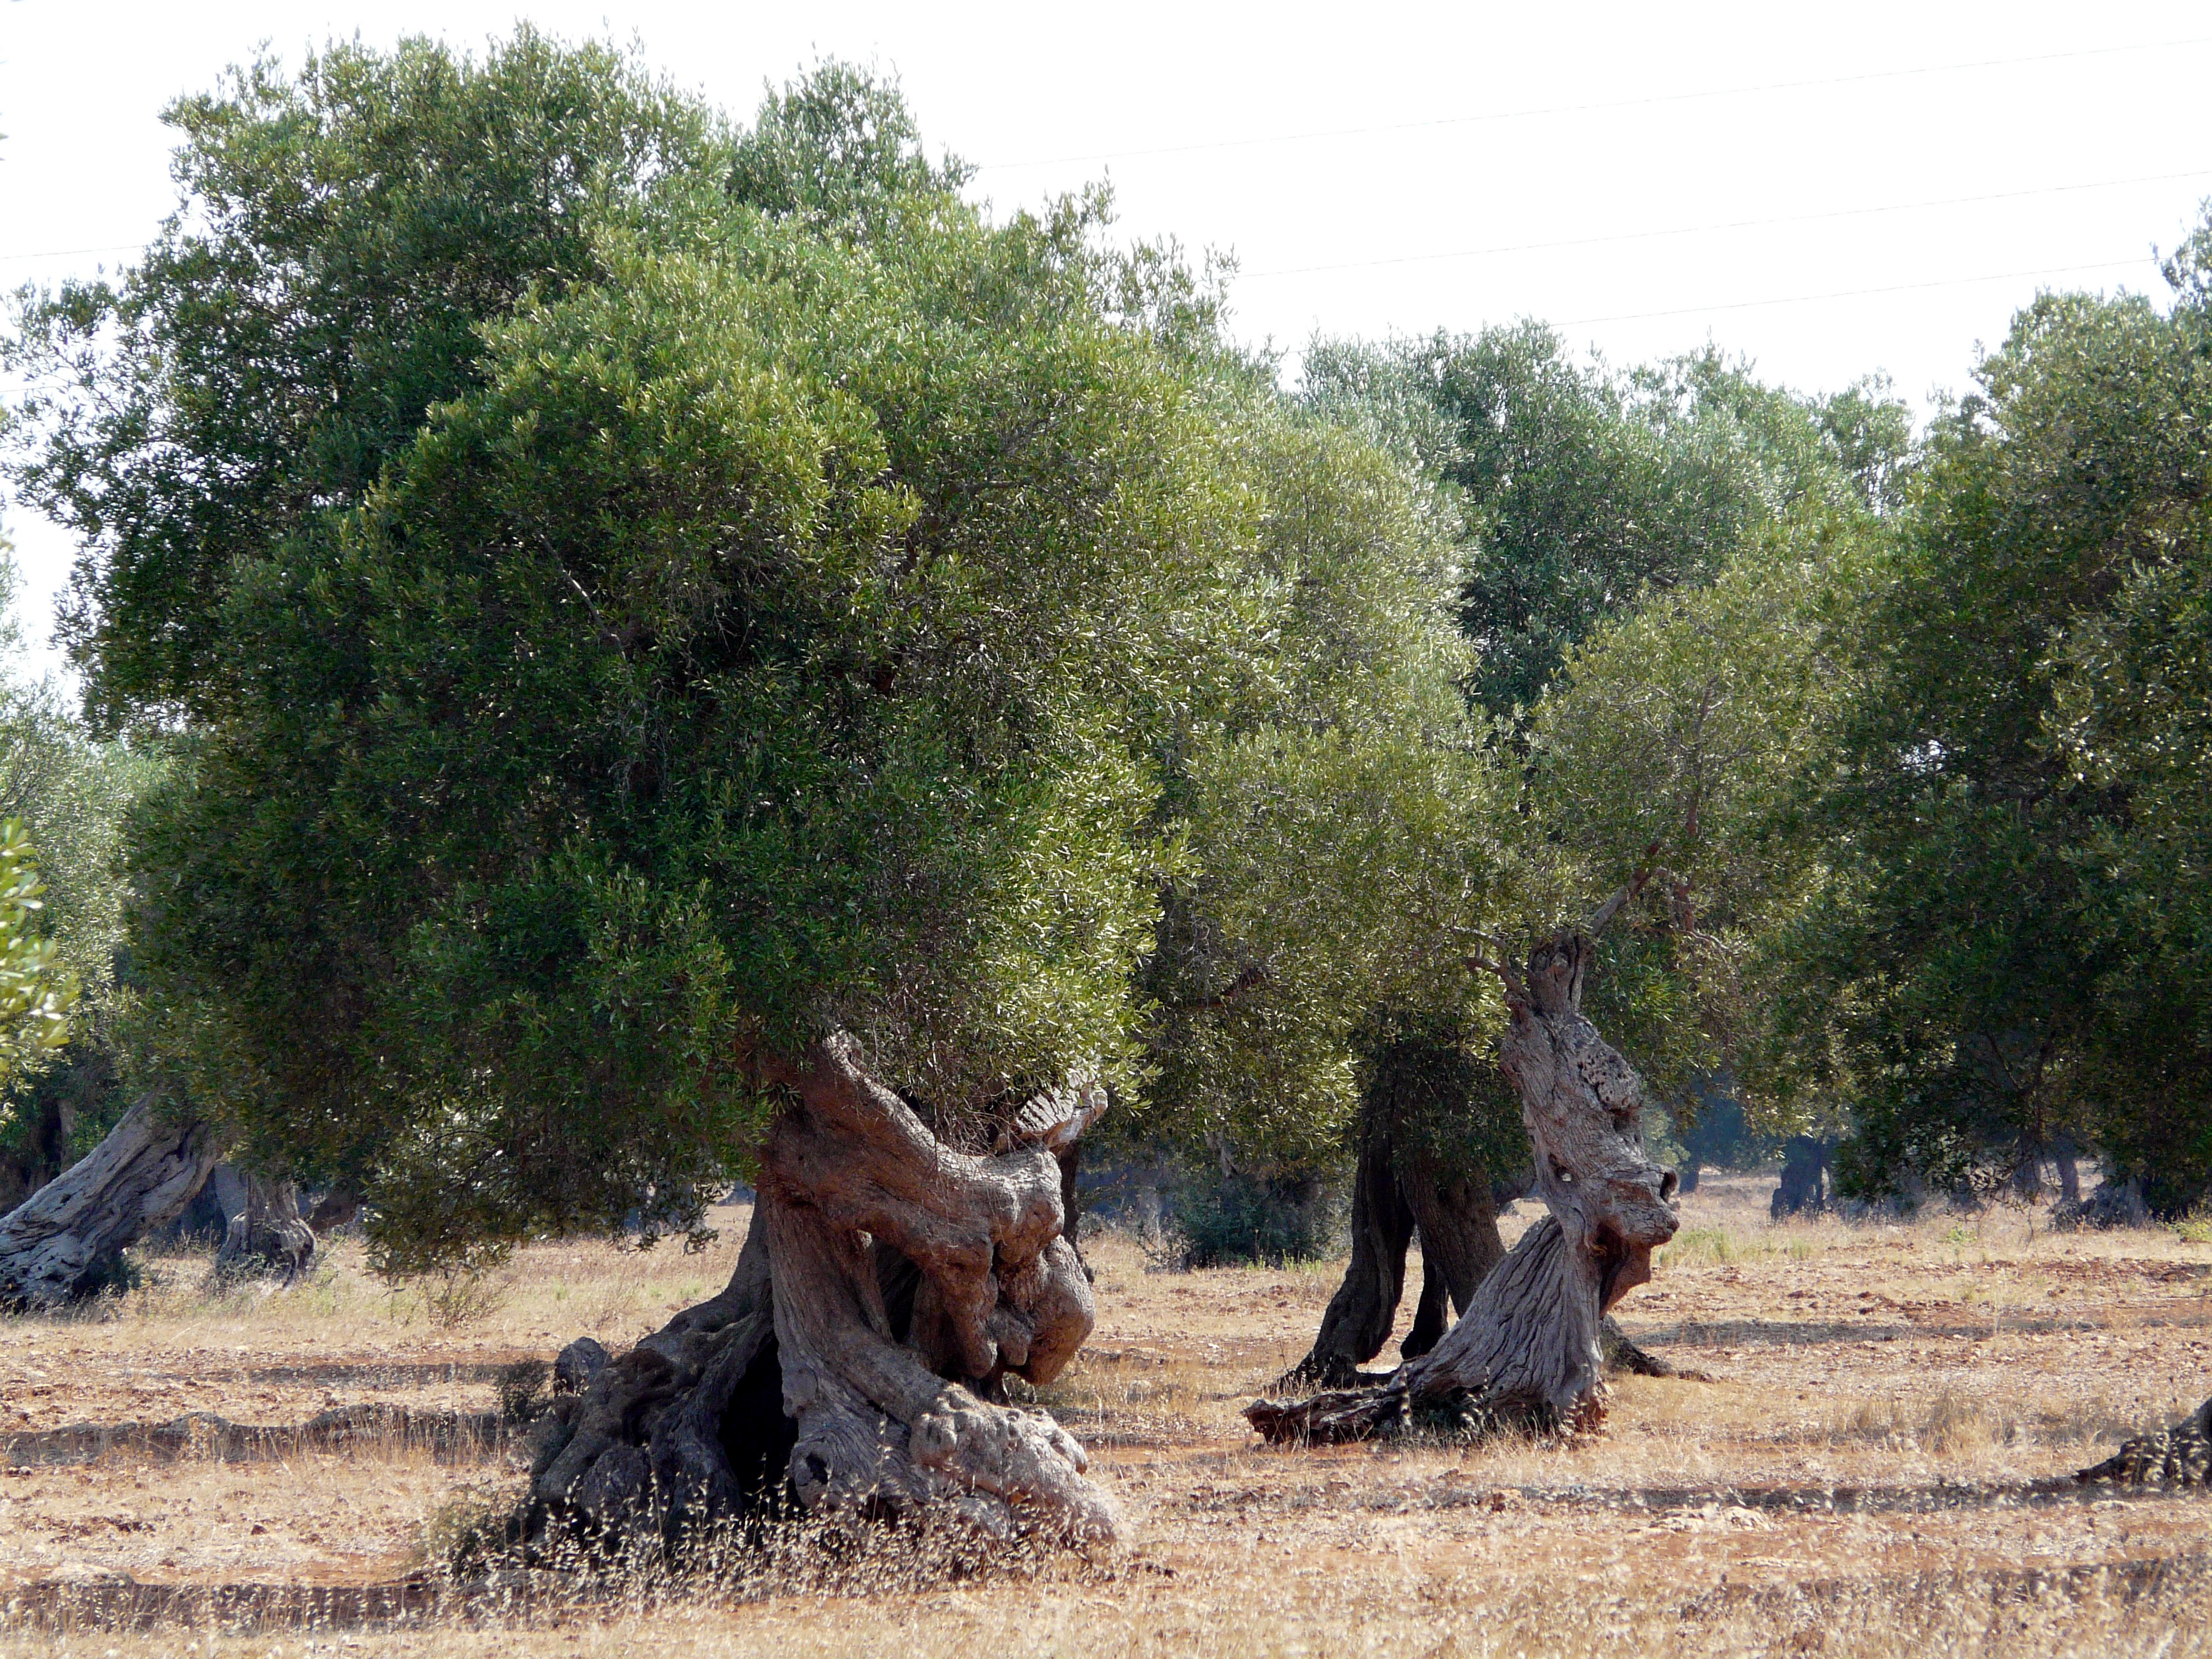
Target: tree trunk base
{"points": [[2178, 1456], [64, 1243], [269, 1238], [1399, 1190], [1525, 1356], [855, 1364], [1622, 1355], [1528, 1352]]}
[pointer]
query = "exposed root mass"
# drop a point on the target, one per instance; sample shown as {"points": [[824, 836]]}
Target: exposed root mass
{"points": [[2178, 1456]]}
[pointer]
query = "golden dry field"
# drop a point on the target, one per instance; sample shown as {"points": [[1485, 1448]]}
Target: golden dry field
{"points": [[1860, 1476]]}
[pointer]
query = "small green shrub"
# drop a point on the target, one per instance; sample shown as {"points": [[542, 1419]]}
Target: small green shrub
{"points": [[2196, 1227], [1224, 1220]]}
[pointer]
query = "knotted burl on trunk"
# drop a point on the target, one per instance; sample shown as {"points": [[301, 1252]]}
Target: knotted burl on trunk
{"points": [[1527, 1350], [857, 1360]]}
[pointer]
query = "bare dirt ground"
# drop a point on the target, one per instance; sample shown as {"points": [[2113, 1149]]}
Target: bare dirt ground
{"points": [[1859, 1476]]}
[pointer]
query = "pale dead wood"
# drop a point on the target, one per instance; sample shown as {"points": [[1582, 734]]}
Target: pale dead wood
{"points": [[57, 1243]]}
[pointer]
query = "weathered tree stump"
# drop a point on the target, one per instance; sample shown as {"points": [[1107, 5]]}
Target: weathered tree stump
{"points": [[268, 1237], [856, 1361], [63, 1241], [1527, 1350]]}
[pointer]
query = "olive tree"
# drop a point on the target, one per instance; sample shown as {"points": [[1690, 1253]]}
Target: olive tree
{"points": [[714, 659], [1574, 502]]}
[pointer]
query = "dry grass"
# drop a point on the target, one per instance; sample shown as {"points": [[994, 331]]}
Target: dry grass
{"points": [[1854, 1481]]}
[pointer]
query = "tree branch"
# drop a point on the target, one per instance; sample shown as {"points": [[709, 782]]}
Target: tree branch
{"points": [[1612, 908], [1517, 993]]}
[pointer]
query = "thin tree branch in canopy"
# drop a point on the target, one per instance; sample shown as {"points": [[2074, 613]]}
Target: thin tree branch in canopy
{"points": [[1626, 895]]}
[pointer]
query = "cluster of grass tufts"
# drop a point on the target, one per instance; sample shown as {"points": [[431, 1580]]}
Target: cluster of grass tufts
{"points": [[1950, 1424]]}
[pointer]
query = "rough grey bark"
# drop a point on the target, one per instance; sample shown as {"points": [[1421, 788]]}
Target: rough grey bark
{"points": [[268, 1236], [856, 1360], [1071, 1170], [61, 1243], [1398, 1190], [221, 1197], [335, 1208], [1460, 1245], [1528, 1349], [1357, 1321]]}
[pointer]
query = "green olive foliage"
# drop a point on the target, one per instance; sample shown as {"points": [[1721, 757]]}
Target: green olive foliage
{"points": [[1583, 488], [1687, 726], [68, 794], [774, 598], [340, 236], [2007, 948], [1338, 814], [1649, 564], [36, 992]]}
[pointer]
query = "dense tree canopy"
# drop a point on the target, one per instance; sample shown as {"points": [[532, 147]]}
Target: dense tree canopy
{"points": [[783, 601], [69, 795], [1648, 562], [1583, 488], [1685, 727], [630, 593], [342, 233], [2007, 947]]}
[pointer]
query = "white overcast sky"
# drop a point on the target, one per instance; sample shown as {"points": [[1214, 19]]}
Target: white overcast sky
{"points": [[1830, 191]]}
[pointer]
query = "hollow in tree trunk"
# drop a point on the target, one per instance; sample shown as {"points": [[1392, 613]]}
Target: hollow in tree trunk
{"points": [[857, 1360], [1527, 1350], [65, 1240], [1403, 1185]]}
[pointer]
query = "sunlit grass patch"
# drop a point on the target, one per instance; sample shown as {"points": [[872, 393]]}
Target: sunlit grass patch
{"points": [[1951, 1424], [1698, 1246]]}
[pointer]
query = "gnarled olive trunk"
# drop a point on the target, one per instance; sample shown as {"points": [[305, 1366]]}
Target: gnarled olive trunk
{"points": [[63, 1241], [1402, 1186], [856, 1360], [267, 1236], [1528, 1348], [1802, 1189]]}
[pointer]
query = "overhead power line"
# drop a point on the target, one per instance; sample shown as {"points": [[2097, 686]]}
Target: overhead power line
{"points": [[70, 252], [1716, 226], [1645, 102], [1848, 293], [1726, 224]]}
